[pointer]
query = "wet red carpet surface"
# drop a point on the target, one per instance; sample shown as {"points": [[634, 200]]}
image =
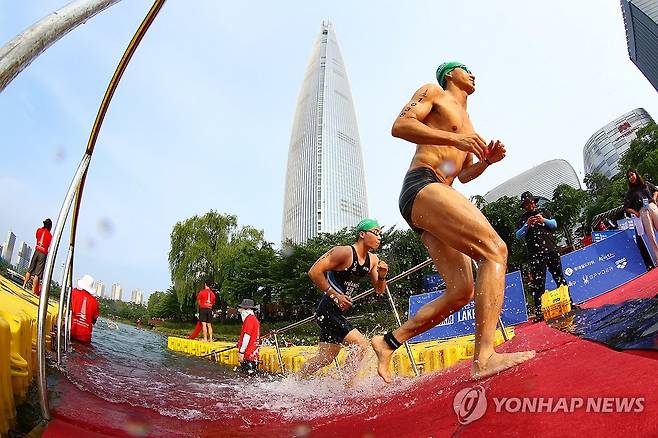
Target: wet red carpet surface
{"points": [[566, 371]]}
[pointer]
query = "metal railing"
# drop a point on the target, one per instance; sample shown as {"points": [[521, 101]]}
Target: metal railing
{"points": [[75, 191], [362, 295], [274, 333]]}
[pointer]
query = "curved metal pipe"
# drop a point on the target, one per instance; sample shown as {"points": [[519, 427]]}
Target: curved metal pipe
{"points": [[62, 293], [76, 187], [69, 288], [18, 53], [45, 292]]}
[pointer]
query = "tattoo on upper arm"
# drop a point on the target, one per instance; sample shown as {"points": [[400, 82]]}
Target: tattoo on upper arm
{"points": [[413, 104], [324, 256]]}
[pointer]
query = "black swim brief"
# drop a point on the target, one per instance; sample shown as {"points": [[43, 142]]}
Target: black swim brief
{"points": [[205, 315], [333, 324], [37, 264], [414, 181]]}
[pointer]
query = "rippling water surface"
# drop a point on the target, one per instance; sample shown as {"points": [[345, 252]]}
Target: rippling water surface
{"points": [[133, 366]]}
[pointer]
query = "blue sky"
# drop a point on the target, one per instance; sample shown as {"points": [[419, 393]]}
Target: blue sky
{"points": [[202, 117]]}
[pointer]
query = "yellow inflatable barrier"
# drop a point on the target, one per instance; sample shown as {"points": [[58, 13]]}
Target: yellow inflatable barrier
{"points": [[18, 336], [7, 405], [429, 356]]}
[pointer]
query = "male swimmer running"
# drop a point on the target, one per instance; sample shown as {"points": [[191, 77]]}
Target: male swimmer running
{"points": [[452, 229]]}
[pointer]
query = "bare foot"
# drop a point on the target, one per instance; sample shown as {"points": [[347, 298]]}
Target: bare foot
{"points": [[384, 355], [498, 362]]}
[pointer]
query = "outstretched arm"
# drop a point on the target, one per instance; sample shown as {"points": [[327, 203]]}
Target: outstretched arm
{"points": [[336, 258], [409, 125]]}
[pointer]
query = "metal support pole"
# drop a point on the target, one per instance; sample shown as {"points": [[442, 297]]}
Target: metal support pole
{"points": [[67, 309], [406, 344], [62, 293], [357, 297], [406, 273], [278, 353], [26, 47], [502, 328], [47, 277]]}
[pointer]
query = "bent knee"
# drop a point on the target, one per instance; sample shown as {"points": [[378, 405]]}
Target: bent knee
{"points": [[496, 251], [461, 297]]}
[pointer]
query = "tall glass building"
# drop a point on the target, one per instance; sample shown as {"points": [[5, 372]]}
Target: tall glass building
{"points": [[325, 184], [641, 23], [541, 180], [603, 149]]}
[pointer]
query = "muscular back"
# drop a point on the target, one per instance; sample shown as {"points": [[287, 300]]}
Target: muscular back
{"points": [[439, 110]]}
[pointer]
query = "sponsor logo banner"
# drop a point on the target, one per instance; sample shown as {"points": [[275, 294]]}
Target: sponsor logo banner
{"points": [[462, 322], [600, 267]]}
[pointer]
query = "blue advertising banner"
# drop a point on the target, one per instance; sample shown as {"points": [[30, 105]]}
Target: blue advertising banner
{"points": [[598, 236], [650, 248], [462, 322], [600, 267], [433, 282]]}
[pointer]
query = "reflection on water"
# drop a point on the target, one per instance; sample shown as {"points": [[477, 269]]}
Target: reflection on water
{"points": [[629, 325], [129, 365]]}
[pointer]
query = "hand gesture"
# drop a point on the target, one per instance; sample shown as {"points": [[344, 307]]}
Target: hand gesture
{"points": [[472, 143], [539, 219], [495, 151], [382, 270], [342, 301]]}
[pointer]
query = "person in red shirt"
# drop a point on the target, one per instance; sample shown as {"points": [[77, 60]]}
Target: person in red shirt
{"points": [[206, 299], [38, 261], [248, 343], [84, 309]]}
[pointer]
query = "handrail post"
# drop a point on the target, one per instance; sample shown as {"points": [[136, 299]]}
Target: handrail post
{"points": [[278, 353], [62, 293], [47, 277], [502, 328], [67, 315], [406, 344]]}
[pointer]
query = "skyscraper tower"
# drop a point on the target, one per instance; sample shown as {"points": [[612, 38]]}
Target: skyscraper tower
{"points": [[116, 292], [24, 254], [325, 183], [8, 247], [100, 289], [641, 23]]}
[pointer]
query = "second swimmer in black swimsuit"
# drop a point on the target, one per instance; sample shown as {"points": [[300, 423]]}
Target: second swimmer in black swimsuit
{"points": [[337, 274]]}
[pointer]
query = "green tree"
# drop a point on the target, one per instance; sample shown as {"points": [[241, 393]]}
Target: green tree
{"points": [[247, 271], [4, 266], [291, 269], [568, 206], [597, 185], [213, 248], [164, 305], [402, 250], [642, 153], [608, 194], [503, 215]]}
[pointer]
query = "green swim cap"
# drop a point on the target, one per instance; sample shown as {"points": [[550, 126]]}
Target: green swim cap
{"points": [[367, 224], [446, 68]]}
